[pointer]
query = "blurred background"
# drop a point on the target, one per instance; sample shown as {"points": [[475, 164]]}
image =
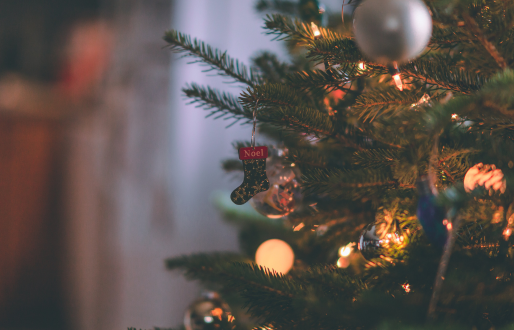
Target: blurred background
{"points": [[105, 170]]}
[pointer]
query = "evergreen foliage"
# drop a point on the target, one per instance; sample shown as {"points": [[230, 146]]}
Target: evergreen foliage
{"points": [[361, 145]]}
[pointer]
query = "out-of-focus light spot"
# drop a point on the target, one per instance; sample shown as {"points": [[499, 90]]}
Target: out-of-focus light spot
{"points": [[315, 30], [346, 250], [343, 262], [445, 222], [398, 81], [275, 254], [506, 233], [362, 66], [208, 319], [217, 312], [449, 226], [293, 164], [231, 318], [298, 227], [455, 116], [406, 287]]}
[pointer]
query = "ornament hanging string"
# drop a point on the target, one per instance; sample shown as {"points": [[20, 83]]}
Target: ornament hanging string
{"points": [[450, 240], [254, 123]]}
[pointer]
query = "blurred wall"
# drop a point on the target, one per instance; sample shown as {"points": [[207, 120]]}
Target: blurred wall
{"points": [[143, 165]]}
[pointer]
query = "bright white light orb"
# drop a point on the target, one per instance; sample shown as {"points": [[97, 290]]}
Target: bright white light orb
{"points": [[275, 254], [346, 250]]}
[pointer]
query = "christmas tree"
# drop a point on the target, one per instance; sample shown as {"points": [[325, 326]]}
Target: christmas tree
{"points": [[392, 169]]}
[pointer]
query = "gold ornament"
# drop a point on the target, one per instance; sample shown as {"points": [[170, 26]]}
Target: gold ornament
{"points": [[487, 176]]}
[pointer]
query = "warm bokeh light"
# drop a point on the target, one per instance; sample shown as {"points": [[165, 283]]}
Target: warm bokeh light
{"points": [[275, 254], [406, 287], [455, 116], [449, 226], [343, 262], [445, 222], [506, 233], [298, 227], [398, 81], [362, 66], [315, 30], [346, 250]]}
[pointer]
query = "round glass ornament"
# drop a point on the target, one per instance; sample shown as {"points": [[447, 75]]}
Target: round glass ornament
{"points": [[284, 193], [389, 31], [209, 313]]}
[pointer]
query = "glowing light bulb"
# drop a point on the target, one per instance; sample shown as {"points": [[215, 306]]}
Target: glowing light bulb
{"points": [[398, 81], [346, 250], [449, 226], [343, 262], [445, 222], [315, 30], [362, 66], [298, 227], [406, 287], [275, 254], [455, 116], [506, 233]]}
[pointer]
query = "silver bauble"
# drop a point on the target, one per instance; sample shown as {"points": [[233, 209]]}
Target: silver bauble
{"points": [[283, 196], [209, 313], [370, 244], [390, 31]]}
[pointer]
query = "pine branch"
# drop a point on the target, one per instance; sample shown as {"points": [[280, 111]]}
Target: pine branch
{"points": [[350, 184], [375, 158], [217, 60], [219, 103], [491, 49], [285, 28], [384, 102], [320, 81], [270, 95], [271, 68], [306, 120]]}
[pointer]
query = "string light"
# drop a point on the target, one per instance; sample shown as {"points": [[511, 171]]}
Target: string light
{"points": [[298, 227], [506, 233], [315, 31], [346, 250], [395, 73], [343, 262], [406, 287], [362, 66]]}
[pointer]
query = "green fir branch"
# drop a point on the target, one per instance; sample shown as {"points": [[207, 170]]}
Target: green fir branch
{"points": [[270, 67], [386, 102], [286, 28], [214, 58], [272, 95]]}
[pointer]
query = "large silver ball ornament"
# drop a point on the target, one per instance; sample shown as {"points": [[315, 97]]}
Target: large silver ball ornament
{"points": [[389, 31]]}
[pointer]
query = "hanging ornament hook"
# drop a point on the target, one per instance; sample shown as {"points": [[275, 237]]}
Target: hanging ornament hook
{"points": [[254, 123]]}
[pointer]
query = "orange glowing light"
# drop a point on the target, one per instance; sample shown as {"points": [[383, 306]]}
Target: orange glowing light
{"points": [[298, 227], [449, 226], [455, 116], [217, 312], [315, 30], [362, 66], [406, 287], [398, 81], [231, 318], [507, 232], [445, 222], [346, 250], [343, 262]]}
